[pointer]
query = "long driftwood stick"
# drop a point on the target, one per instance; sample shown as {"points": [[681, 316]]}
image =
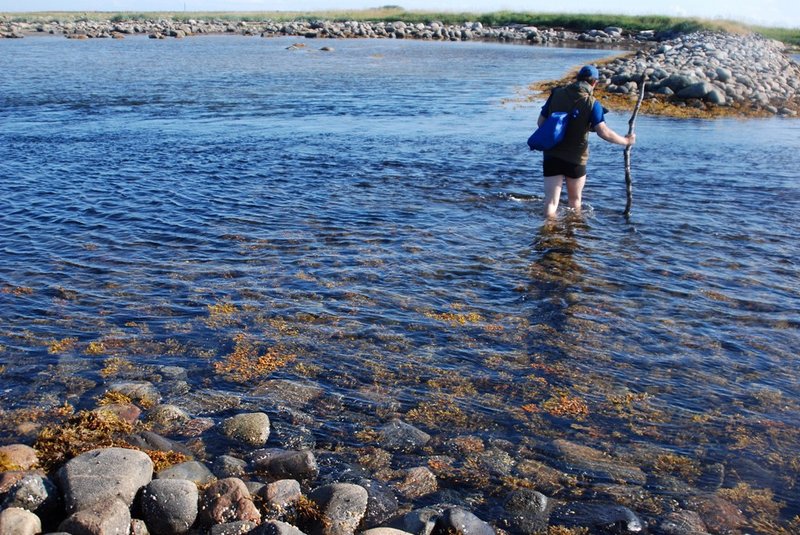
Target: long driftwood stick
{"points": [[631, 122]]}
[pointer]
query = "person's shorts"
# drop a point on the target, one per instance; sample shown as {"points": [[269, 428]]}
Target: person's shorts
{"points": [[555, 166]]}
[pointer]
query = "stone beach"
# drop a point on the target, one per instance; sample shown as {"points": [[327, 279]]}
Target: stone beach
{"points": [[160, 456], [710, 73], [233, 474]]}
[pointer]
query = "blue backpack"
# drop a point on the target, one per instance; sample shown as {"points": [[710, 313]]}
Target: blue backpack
{"points": [[552, 130]]}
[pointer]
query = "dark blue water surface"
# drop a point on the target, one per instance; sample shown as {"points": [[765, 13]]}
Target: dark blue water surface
{"points": [[373, 215]]}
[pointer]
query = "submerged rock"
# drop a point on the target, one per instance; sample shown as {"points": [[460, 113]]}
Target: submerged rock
{"points": [[606, 516]]}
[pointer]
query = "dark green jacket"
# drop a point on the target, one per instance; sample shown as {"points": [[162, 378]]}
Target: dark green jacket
{"points": [[575, 146]]}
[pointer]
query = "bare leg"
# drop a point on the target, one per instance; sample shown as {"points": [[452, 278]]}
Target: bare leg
{"points": [[552, 194], [575, 191]]}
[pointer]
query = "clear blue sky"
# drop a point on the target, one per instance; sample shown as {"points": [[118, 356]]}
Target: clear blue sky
{"points": [[783, 13]]}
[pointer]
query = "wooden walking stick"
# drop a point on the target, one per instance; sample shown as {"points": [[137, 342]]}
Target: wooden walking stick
{"points": [[628, 180]]}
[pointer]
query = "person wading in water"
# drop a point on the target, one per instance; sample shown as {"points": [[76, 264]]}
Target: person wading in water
{"points": [[568, 159]]}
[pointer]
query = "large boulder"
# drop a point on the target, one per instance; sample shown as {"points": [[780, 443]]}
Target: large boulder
{"points": [[103, 474]]}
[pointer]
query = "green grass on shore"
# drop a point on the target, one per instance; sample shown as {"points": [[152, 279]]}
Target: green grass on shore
{"points": [[576, 22]]}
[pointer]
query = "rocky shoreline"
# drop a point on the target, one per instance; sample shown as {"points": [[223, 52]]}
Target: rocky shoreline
{"points": [[202, 462], [703, 74]]}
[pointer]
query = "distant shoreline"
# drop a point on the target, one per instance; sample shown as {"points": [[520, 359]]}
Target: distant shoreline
{"points": [[690, 74]]}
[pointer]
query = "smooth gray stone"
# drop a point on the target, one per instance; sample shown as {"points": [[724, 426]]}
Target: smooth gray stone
{"points": [[281, 464], [111, 517], [147, 440], [276, 527], [419, 521], [228, 466], [343, 506], [461, 522], [104, 474], [194, 471], [17, 521], [605, 516], [169, 506], [381, 504], [36, 494]]}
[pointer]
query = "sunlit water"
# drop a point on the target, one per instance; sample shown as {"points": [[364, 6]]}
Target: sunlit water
{"points": [[373, 215]]}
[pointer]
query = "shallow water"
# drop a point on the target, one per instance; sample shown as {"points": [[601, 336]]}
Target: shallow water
{"points": [[373, 214]]}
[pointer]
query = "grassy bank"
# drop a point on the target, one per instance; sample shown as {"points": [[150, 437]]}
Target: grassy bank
{"points": [[389, 14]]}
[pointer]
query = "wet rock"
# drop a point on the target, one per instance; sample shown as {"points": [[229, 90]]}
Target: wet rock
{"points": [[16, 521], [206, 402], [232, 528], [169, 506], [294, 393], [167, 418], [461, 522], [712, 478], [250, 428], [545, 478], [343, 506], [293, 437], [720, 515], [528, 511], [596, 464], [194, 427], [193, 471], [103, 474], [276, 527], [228, 466], [35, 493], [227, 500], [609, 517], [418, 482], [381, 502], [127, 412], [280, 495], [420, 521], [281, 464], [19, 456], [109, 517], [400, 436], [147, 440], [140, 392], [682, 523]]}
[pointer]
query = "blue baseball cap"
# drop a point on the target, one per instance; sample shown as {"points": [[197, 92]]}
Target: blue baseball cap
{"points": [[588, 71]]}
